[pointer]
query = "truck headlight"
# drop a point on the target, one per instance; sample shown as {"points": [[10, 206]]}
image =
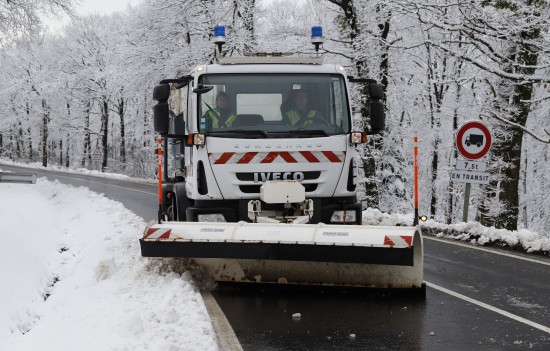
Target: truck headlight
{"points": [[195, 139], [344, 216], [211, 217], [358, 137]]}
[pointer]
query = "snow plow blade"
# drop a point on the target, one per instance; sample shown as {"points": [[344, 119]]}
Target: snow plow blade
{"points": [[318, 254]]}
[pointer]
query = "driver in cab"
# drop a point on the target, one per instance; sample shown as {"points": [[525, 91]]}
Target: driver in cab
{"points": [[221, 116], [299, 113]]}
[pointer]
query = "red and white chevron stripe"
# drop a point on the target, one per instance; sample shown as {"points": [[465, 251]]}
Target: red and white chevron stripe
{"points": [[158, 233], [277, 157], [398, 240]]}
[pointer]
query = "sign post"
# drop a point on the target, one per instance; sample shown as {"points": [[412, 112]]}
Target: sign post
{"points": [[473, 141], [466, 202], [97, 157]]}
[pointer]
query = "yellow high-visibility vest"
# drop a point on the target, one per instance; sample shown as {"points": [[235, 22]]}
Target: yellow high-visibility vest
{"points": [[215, 118], [295, 117]]}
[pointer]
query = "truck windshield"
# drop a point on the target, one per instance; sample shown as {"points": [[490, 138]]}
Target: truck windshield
{"points": [[274, 106]]}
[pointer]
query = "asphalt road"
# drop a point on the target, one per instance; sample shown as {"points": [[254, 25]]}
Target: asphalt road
{"points": [[476, 299]]}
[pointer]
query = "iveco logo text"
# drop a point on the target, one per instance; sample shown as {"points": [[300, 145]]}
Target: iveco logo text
{"points": [[264, 177]]}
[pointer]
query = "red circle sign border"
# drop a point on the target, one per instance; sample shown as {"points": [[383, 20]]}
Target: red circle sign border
{"points": [[465, 127]]}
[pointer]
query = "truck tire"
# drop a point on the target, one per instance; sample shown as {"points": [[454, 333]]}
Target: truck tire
{"points": [[182, 202]]}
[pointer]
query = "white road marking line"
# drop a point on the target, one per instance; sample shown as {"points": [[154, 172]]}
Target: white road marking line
{"points": [[123, 187], [490, 308], [227, 339], [115, 186], [493, 251]]}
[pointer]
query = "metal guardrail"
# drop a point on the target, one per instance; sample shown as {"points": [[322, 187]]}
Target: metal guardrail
{"points": [[26, 178]]}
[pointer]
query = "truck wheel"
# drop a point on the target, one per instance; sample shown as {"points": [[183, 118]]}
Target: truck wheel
{"points": [[182, 202]]}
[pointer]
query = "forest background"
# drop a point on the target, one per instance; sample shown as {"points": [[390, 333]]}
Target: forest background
{"points": [[441, 62]]}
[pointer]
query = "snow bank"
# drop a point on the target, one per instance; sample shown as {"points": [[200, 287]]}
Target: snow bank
{"points": [[73, 278], [473, 232], [477, 234], [372, 216], [37, 165]]}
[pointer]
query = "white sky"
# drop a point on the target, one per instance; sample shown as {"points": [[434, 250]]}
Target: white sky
{"points": [[87, 7], [104, 6]]}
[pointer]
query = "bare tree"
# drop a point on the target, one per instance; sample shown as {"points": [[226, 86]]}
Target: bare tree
{"points": [[22, 17]]}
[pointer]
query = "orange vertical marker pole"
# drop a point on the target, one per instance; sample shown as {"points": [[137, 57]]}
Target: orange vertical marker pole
{"points": [[159, 165], [415, 222]]}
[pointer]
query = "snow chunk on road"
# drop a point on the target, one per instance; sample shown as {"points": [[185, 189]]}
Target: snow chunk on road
{"points": [[106, 296], [373, 216]]}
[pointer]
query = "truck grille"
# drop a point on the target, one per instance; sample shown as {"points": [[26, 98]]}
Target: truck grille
{"points": [[249, 177], [255, 188]]}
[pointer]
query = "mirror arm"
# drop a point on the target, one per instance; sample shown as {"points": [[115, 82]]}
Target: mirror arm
{"points": [[182, 80], [175, 136], [352, 79], [201, 89]]}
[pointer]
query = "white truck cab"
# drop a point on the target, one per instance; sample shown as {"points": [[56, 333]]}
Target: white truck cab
{"points": [[279, 148], [259, 177]]}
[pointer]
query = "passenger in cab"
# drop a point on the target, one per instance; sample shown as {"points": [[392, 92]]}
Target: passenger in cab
{"points": [[297, 111], [221, 116]]}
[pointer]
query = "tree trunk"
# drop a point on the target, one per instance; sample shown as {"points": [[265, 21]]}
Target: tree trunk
{"points": [[369, 161], [384, 62], [104, 132], [122, 133], [67, 161], [501, 208], [19, 141], [45, 121], [146, 127], [244, 10], [450, 189], [61, 152], [436, 73], [29, 136], [87, 139]]}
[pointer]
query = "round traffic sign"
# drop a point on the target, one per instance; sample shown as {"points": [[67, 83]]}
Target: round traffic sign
{"points": [[473, 140]]}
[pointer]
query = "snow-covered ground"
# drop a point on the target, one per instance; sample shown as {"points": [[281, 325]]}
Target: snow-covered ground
{"points": [[472, 232], [73, 278], [95, 173]]}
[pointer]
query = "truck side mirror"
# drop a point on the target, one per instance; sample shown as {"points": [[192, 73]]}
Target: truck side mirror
{"points": [[377, 113], [377, 117], [376, 91], [201, 89], [161, 118], [161, 92], [161, 121]]}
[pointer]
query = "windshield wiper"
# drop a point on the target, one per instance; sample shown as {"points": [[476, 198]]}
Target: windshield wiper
{"points": [[308, 132], [229, 132]]}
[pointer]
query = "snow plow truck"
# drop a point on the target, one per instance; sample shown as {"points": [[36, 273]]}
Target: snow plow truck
{"points": [[252, 194]]}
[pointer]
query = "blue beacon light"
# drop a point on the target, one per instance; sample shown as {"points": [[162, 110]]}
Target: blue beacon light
{"points": [[317, 36], [219, 34], [219, 37]]}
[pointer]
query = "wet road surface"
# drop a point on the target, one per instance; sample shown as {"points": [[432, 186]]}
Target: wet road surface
{"points": [[262, 320]]}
